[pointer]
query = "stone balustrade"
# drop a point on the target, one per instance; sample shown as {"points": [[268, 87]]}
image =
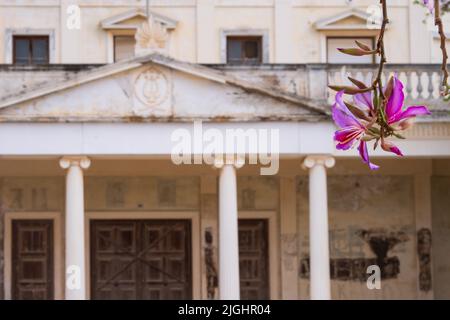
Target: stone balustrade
{"points": [[422, 81]]}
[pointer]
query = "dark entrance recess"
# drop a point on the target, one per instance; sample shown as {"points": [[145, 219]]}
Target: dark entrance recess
{"points": [[253, 259], [141, 259], [32, 260]]}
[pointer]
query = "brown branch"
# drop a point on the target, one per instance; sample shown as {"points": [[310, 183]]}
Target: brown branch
{"points": [[440, 25], [380, 49]]}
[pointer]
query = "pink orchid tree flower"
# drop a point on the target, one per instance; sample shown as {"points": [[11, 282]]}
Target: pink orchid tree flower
{"points": [[357, 121], [351, 129]]}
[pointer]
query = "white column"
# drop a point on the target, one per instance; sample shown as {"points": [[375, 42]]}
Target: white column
{"points": [[75, 249], [229, 287], [319, 251]]}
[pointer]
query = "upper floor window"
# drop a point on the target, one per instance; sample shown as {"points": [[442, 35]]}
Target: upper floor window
{"points": [[29, 50], [124, 47], [244, 50], [335, 56]]}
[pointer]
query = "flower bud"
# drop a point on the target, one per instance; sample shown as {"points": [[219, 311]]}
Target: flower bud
{"points": [[404, 125], [390, 147]]}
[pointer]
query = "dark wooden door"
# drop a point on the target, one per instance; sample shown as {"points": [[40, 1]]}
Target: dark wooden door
{"points": [[253, 259], [141, 259], [32, 259]]}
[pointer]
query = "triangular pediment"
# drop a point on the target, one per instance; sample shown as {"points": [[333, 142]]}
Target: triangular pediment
{"points": [[132, 19], [156, 88], [347, 20]]}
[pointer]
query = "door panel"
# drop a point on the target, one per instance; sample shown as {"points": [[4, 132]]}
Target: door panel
{"points": [[253, 259], [141, 259], [32, 264]]}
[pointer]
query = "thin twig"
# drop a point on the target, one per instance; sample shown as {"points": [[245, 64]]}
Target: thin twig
{"points": [[440, 25], [380, 49]]}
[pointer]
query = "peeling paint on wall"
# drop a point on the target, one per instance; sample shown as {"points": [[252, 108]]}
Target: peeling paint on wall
{"points": [[115, 194], [211, 269], [440, 197], [258, 193], [380, 242], [167, 192], [141, 193], [371, 218], [424, 252]]}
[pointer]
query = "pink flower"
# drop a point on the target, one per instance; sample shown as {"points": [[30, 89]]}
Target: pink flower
{"points": [[390, 147], [357, 121], [351, 129], [364, 101], [394, 106]]}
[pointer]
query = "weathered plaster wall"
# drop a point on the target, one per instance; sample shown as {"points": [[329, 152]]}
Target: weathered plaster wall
{"points": [[440, 188], [258, 193], [142, 193], [15, 81], [367, 215]]}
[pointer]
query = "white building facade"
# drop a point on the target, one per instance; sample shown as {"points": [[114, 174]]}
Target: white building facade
{"points": [[98, 99]]}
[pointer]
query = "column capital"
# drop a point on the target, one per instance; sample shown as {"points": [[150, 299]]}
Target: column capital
{"points": [[75, 161], [321, 160], [237, 161]]}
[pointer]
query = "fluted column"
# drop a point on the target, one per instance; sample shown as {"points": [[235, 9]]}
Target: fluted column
{"points": [[319, 251], [229, 286], [75, 281]]}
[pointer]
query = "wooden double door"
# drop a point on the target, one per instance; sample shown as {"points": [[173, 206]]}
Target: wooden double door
{"points": [[32, 260], [141, 259]]}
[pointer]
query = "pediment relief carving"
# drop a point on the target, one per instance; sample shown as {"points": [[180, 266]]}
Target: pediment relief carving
{"points": [[152, 92], [151, 37]]}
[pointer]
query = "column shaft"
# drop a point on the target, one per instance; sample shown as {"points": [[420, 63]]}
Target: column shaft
{"points": [[75, 253], [319, 251], [228, 235]]}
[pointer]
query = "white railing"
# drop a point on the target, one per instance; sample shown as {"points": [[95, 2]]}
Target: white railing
{"points": [[422, 82]]}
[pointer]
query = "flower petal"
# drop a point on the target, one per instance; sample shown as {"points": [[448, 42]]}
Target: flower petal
{"points": [[395, 102], [364, 100], [396, 150], [362, 148], [409, 113], [346, 137], [390, 147], [341, 115]]}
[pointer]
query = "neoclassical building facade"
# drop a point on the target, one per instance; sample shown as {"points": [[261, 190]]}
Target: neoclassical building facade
{"points": [[101, 100]]}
